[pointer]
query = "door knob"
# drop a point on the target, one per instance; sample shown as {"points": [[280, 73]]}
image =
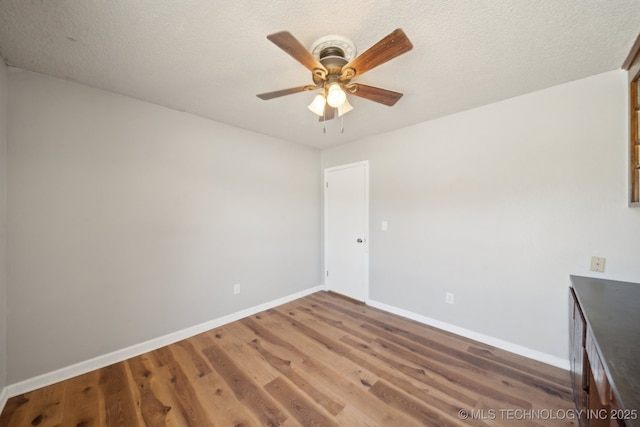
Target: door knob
{"points": [[359, 240]]}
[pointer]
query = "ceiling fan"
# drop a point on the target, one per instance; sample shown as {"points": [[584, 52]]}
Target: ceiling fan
{"points": [[333, 66]]}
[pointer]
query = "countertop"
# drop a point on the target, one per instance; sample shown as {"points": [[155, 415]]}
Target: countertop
{"points": [[612, 311]]}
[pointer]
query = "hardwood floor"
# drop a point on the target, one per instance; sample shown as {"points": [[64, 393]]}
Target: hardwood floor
{"points": [[317, 361]]}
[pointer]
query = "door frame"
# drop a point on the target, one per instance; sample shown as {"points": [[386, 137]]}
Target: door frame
{"points": [[328, 170]]}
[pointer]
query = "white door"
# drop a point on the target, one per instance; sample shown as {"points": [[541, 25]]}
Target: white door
{"points": [[346, 225]]}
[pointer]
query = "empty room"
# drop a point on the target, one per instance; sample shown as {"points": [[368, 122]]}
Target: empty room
{"points": [[337, 213]]}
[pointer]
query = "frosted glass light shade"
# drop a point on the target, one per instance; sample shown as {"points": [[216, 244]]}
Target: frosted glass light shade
{"points": [[335, 95], [317, 105], [344, 108]]}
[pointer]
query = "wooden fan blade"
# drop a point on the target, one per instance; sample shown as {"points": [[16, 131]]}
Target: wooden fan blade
{"points": [[383, 96], [285, 41], [393, 45], [283, 92], [329, 113]]}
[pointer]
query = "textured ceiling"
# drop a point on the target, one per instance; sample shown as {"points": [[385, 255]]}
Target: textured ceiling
{"points": [[211, 58]]}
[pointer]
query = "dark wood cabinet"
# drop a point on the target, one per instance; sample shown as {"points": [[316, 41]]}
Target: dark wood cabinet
{"points": [[591, 391], [604, 332], [632, 65], [579, 364]]}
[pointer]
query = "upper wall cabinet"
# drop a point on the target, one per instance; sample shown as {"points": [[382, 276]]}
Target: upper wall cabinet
{"points": [[632, 64]]}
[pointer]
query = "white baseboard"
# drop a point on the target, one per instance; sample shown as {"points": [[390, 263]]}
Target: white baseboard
{"points": [[4, 395], [138, 349], [494, 342]]}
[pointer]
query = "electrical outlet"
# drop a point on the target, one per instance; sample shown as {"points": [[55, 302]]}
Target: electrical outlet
{"points": [[236, 289], [597, 264], [449, 298]]}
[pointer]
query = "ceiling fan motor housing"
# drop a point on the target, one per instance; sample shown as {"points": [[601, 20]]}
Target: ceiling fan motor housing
{"points": [[333, 52]]}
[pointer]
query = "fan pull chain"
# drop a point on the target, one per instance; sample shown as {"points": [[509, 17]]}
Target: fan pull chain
{"points": [[342, 123], [324, 120]]}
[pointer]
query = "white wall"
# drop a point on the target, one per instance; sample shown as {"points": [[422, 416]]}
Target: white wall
{"points": [[128, 221], [499, 205], [3, 207]]}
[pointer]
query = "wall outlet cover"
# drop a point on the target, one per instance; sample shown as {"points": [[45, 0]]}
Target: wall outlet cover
{"points": [[597, 264], [449, 298]]}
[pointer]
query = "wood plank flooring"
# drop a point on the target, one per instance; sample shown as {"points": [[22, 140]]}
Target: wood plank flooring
{"points": [[318, 361]]}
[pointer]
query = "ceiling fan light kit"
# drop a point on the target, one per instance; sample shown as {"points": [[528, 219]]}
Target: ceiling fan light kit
{"points": [[317, 105], [333, 64], [344, 108], [335, 95]]}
